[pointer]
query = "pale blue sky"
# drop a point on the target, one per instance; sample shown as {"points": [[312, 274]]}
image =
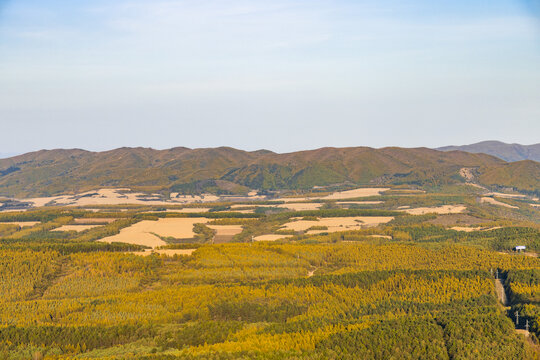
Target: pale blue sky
{"points": [[282, 75]]}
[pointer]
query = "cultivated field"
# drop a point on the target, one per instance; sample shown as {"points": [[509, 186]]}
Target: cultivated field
{"points": [[147, 233], [470, 229], [359, 202], [492, 201], [22, 223], [225, 233], [271, 237], [94, 220], [445, 209], [356, 193], [77, 228], [337, 223]]}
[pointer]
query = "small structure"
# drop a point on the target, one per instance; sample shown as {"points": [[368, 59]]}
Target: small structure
{"points": [[520, 248]]}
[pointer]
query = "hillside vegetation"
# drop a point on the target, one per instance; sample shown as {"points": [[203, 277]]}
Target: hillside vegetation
{"points": [[523, 175], [231, 171]]}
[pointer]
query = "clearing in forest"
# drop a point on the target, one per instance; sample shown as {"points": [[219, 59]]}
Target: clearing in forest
{"points": [[21, 223], [356, 193], [359, 202], [271, 237], [492, 201], [336, 224], [77, 228], [90, 221], [225, 233], [444, 209], [147, 232], [288, 205], [471, 229]]}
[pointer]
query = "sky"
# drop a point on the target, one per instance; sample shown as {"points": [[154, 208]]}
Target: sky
{"points": [[283, 75]]}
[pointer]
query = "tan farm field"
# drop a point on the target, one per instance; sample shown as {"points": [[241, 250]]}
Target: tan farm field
{"points": [[356, 193], [359, 202], [271, 237], [22, 223], [492, 201], [225, 233], [444, 209], [91, 221], [224, 230], [470, 229], [338, 223], [77, 228], [301, 206], [142, 233]]}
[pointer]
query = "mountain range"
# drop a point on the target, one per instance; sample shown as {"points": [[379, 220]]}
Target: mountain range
{"points": [[506, 152], [226, 170]]}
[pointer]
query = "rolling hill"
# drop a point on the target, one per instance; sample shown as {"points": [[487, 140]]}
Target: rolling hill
{"points": [[523, 175], [506, 152], [228, 170]]}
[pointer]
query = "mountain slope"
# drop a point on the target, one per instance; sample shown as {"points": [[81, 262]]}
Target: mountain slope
{"points": [[227, 170], [360, 165], [506, 152], [522, 175], [70, 171]]}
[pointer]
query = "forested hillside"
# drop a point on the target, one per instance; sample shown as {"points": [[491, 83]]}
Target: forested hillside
{"points": [[227, 170]]}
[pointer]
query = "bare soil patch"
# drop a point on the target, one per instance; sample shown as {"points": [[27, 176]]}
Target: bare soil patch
{"points": [[271, 237], [470, 229], [492, 201], [225, 233], [337, 223], [118, 197], [289, 206], [467, 174], [77, 228], [226, 229], [146, 232], [22, 223], [356, 193], [301, 206], [340, 195], [90, 221], [444, 209]]}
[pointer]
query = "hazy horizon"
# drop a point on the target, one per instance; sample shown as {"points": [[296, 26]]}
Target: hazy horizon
{"points": [[284, 76]]}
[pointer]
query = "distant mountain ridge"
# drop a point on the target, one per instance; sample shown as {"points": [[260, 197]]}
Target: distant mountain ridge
{"points": [[506, 152], [226, 170]]}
